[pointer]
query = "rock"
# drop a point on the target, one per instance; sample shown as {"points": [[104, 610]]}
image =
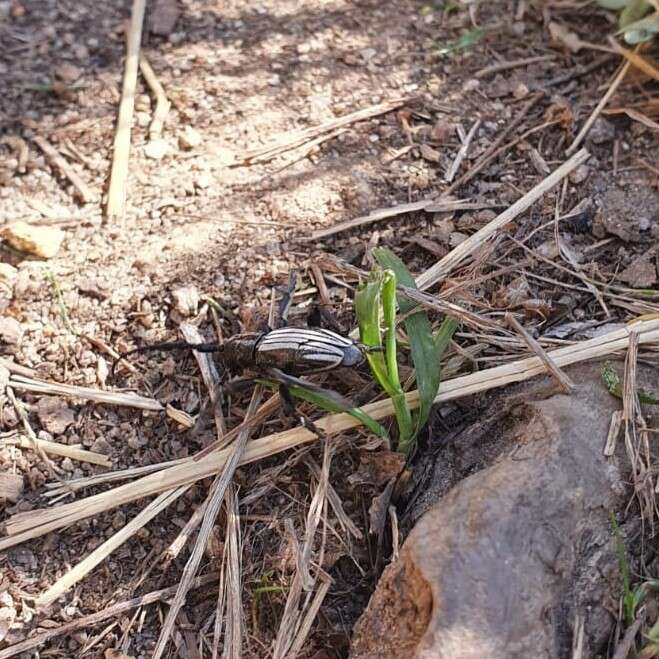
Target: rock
{"points": [[11, 486], [429, 154], [189, 138], [579, 175], [520, 91], [630, 212], [101, 445], [603, 131], [8, 275], [156, 149], [54, 414], [641, 273], [96, 287], [41, 241], [203, 181], [443, 228], [68, 73], [186, 300], [163, 17], [456, 238], [11, 331], [7, 613], [501, 562]]}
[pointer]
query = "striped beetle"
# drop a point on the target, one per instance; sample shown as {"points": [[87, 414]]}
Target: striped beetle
{"points": [[281, 354], [293, 350]]}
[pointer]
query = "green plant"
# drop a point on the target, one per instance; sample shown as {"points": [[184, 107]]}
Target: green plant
{"points": [[330, 402], [638, 19], [463, 42], [375, 305]]}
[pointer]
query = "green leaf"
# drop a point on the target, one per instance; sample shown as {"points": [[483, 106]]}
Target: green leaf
{"points": [[368, 306], [612, 4], [464, 42], [613, 384], [329, 404], [403, 414], [419, 331], [648, 25], [633, 12], [330, 401]]}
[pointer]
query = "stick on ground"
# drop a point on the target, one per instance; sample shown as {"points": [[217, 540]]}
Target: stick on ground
{"points": [[65, 451], [563, 380], [469, 246], [84, 393], [75, 574], [162, 102], [93, 619], [297, 138], [82, 191], [116, 206], [598, 109]]}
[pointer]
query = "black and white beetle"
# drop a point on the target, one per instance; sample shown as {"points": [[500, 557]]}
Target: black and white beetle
{"points": [[281, 355], [293, 350]]}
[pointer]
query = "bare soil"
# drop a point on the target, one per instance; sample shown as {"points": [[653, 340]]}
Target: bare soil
{"points": [[239, 76]]}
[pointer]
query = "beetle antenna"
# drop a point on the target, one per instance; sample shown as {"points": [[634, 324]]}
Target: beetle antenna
{"points": [[366, 348], [167, 346]]}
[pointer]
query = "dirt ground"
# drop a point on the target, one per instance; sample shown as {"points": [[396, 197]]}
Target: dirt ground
{"points": [[239, 76]]}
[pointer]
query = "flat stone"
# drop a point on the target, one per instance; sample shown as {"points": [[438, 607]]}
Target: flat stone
{"points": [[11, 331], [40, 241], [54, 414]]}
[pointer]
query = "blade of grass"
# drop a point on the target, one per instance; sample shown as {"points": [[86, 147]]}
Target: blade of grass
{"points": [[403, 413], [330, 401], [368, 304]]}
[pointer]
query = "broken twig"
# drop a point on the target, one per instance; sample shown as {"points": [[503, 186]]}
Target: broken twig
{"points": [[83, 192]]}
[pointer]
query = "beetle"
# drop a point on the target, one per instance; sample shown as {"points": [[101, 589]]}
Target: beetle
{"points": [[293, 350], [281, 355]]}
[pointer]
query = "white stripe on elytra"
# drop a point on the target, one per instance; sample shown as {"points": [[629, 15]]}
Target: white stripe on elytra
{"points": [[307, 349], [308, 334]]}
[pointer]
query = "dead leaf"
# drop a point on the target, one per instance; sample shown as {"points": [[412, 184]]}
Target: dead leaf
{"points": [[442, 131], [377, 513], [566, 37], [513, 294], [429, 154], [377, 468], [111, 653]]}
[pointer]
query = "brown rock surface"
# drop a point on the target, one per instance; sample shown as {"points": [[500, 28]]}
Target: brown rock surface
{"points": [[502, 563]]}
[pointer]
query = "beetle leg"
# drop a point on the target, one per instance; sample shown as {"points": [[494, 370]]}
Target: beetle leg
{"points": [[320, 316], [287, 298], [290, 410]]}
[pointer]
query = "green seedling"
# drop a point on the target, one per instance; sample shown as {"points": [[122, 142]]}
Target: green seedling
{"points": [[464, 42], [375, 306]]}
